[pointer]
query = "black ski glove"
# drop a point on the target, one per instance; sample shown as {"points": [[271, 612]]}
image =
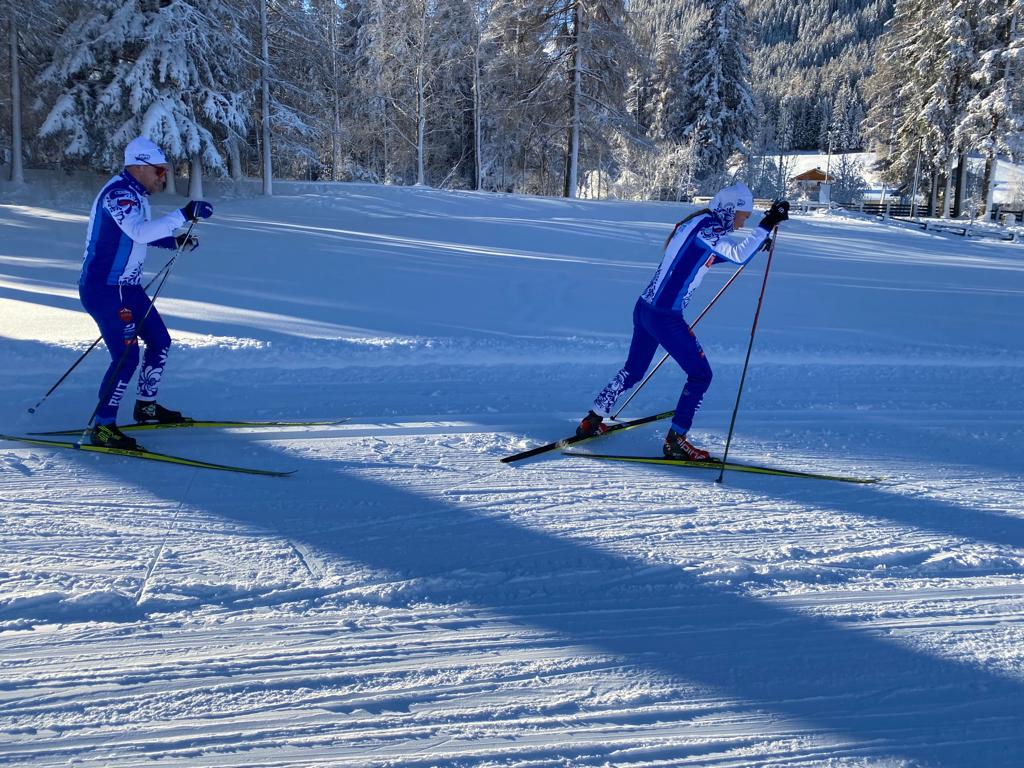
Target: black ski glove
{"points": [[186, 242], [197, 209], [777, 213]]}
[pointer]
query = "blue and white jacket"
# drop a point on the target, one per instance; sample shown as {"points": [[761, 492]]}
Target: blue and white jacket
{"points": [[697, 245], [120, 230]]}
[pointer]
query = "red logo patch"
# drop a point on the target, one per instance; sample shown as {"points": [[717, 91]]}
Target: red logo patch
{"points": [[125, 314]]}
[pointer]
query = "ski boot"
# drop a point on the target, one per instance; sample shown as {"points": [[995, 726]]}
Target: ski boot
{"points": [[109, 436], [678, 447], [591, 425], [152, 412]]}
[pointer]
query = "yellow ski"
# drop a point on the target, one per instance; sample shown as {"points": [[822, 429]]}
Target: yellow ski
{"points": [[147, 455], [200, 424], [730, 465]]}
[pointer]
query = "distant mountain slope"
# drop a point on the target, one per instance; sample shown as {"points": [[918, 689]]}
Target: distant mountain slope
{"points": [[812, 56]]}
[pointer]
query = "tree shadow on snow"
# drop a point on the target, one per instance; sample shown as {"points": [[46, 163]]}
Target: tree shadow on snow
{"points": [[894, 701]]}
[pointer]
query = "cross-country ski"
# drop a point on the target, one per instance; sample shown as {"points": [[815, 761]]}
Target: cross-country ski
{"points": [[576, 439], [203, 424], [144, 455], [718, 464]]}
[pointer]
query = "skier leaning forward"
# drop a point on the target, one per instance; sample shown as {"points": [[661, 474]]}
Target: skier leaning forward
{"points": [[697, 243], [111, 291]]}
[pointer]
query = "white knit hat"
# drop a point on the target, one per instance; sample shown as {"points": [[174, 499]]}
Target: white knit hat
{"points": [[738, 197], [142, 151], [726, 203]]}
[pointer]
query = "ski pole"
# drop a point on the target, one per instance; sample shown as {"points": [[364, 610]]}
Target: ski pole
{"points": [[704, 311], [750, 346], [92, 346], [152, 302]]}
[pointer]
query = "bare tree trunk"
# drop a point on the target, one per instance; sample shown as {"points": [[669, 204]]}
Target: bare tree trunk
{"points": [[477, 121], [639, 103], [543, 169], [989, 186], [171, 188], [268, 169], [933, 207], [961, 185], [780, 175], [524, 173], [234, 158], [947, 198], [421, 101], [421, 127], [336, 127], [17, 170], [195, 177], [384, 132], [572, 157]]}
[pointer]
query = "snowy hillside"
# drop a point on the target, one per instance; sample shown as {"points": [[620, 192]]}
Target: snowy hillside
{"points": [[406, 599]]}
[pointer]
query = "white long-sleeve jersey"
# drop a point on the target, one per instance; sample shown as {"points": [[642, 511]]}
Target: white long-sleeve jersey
{"points": [[119, 231]]}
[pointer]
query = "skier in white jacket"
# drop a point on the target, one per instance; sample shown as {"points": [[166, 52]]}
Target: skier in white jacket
{"points": [[697, 243], [110, 286]]}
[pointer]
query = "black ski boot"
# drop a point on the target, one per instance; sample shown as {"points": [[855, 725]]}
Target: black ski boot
{"points": [[591, 425], [151, 411], [678, 447], [109, 436]]}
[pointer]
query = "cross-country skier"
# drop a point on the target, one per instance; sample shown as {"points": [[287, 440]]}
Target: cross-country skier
{"points": [[696, 244], [111, 291]]}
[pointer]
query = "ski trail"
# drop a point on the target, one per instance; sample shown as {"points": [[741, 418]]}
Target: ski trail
{"points": [[163, 543]]}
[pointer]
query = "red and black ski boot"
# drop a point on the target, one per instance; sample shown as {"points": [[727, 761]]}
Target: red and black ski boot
{"points": [[678, 447], [591, 425]]}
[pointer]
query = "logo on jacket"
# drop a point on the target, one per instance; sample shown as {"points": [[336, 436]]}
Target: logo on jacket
{"points": [[121, 203], [125, 314], [712, 233]]}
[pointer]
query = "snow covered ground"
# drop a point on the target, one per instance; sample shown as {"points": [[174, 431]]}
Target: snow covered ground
{"points": [[405, 599]]}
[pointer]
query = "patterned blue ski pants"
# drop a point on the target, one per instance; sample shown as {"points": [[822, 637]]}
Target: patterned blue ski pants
{"points": [[653, 326], [118, 311]]}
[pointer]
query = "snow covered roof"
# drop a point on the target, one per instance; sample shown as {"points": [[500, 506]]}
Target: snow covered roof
{"points": [[815, 174]]}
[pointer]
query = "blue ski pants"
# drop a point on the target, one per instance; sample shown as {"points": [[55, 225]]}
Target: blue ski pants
{"points": [[118, 311], [653, 326]]}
